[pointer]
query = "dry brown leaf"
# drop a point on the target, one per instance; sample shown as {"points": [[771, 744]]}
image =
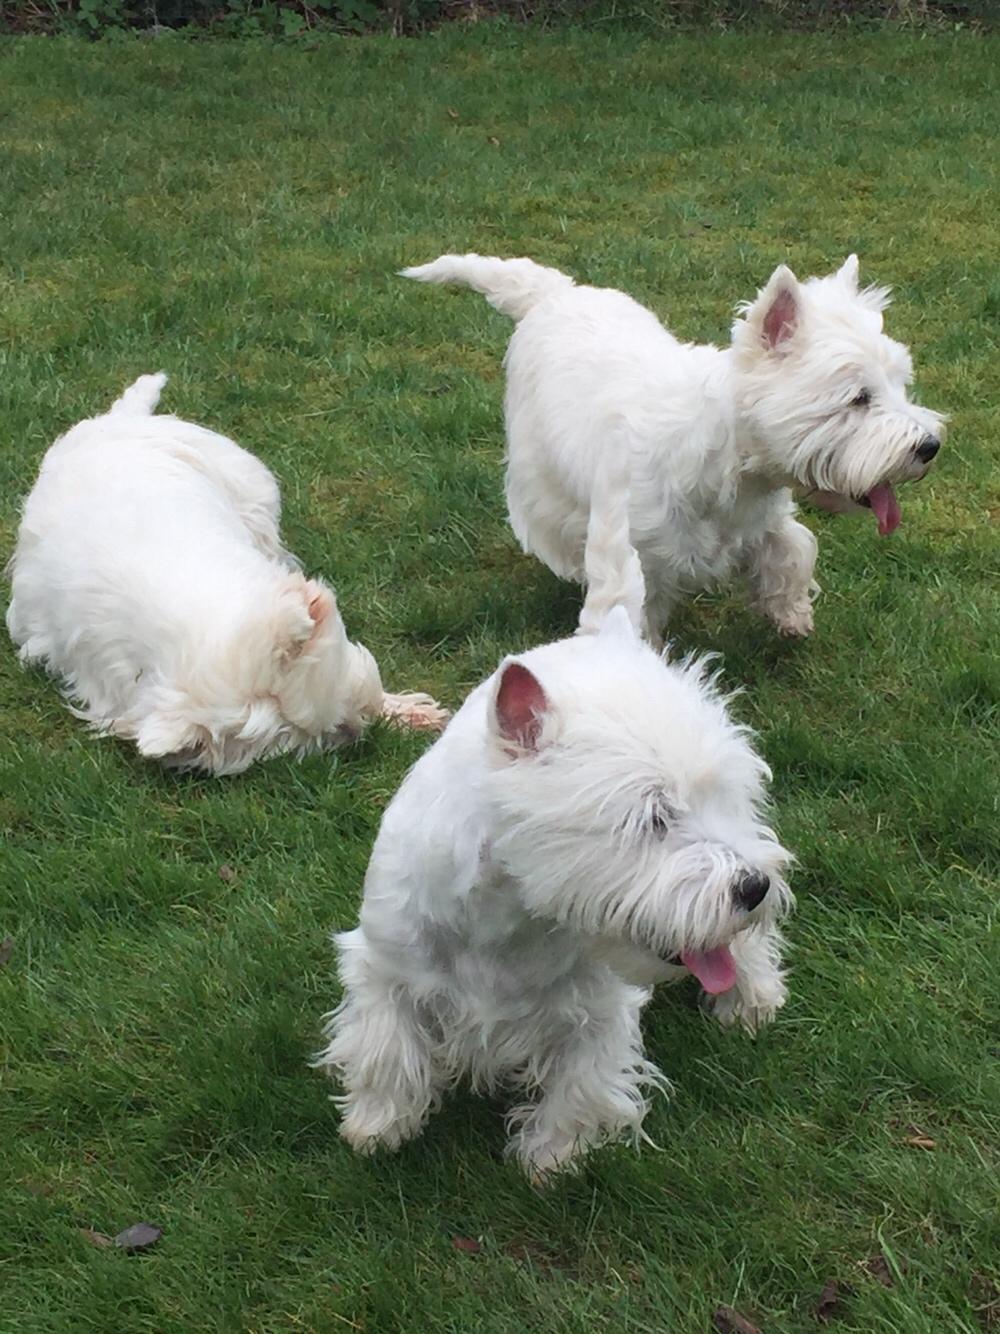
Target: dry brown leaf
{"points": [[468, 1244], [95, 1238], [985, 1298], [139, 1237], [829, 1305], [226, 874], [728, 1321], [42, 1189], [878, 1267], [529, 1251]]}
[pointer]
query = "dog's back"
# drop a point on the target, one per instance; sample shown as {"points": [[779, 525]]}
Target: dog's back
{"points": [[128, 523]]}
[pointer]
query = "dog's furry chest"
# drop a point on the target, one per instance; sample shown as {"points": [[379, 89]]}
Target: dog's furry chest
{"points": [[690, 540], [493, 981], [494, 951]]}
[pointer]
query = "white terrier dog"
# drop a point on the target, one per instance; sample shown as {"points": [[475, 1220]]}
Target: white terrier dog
{"points": [[149, 574], [591, 822], [811, 394]]}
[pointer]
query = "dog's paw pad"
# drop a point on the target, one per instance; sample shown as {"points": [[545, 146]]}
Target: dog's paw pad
{"points": [[544, 1161], [418, 711], [733, 1008], [361, 1142], [545, 1169], [372, 1124], [795, 626], [756, 1016]]}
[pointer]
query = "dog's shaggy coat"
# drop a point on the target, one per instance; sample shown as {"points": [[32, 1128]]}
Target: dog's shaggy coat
{"points": [[150, 576], [591, 822], [811, 394]]}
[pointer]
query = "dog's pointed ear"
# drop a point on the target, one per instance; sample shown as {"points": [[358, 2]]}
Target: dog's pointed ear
{"points": [[848, 272], [320, 602], [777, 313], [306, 606], [520, 707]]}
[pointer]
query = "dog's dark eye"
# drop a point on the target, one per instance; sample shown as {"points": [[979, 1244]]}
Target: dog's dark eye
{"points": [[658, 822], [651, 820], [861, 400]]}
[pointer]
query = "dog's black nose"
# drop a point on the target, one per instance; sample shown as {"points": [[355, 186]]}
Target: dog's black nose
{"points": [[928, 448], [750, 889]]}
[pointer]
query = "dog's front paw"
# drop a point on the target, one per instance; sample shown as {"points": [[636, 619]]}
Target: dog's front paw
{"points": [[751, 1008], [371, 1123], [415, 710], [794, 622], [546, 1161]]}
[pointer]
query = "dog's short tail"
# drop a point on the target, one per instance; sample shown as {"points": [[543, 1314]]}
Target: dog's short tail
{"points": [[512, 286], [140, 399], [612, 571]]}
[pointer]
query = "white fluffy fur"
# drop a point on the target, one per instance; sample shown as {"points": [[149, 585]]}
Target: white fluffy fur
{"points": [[149, 574], [587, 817], [716, 438]]}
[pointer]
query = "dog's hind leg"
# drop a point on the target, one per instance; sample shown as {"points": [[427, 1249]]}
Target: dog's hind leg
{"points": [[546, 521], [780, 570], [382, 1053], [661, 598]]}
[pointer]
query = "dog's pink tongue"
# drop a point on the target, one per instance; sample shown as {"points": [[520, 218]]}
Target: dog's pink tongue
{"points": [[714, 969], [885, 507]]}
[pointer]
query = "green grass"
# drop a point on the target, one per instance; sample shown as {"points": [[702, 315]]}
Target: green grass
{"points": [[234, 214]]}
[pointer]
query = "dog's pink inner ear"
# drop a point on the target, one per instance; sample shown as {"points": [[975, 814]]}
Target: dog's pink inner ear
{"points": [[320, 602], [781, 318], [520, 706]]}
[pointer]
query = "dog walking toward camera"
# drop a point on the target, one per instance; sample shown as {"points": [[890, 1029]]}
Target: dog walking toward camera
{"points": [[810, 395], [591, 822], [150, 576]]}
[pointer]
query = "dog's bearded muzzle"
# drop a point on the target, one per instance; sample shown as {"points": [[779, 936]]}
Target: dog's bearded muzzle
{"points": [[713, 965], [879, 497]]}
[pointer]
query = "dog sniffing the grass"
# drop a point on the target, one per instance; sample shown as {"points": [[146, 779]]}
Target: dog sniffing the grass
{"points": [[591, 822], [150, 576], [811, 394]]}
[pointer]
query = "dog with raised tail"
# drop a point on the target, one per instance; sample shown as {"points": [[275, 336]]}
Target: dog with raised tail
{"points": [[591, 822], [810, 395], [149, 575]]}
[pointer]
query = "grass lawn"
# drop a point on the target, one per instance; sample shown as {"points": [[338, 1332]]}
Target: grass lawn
{"points": [[234, 214]]}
